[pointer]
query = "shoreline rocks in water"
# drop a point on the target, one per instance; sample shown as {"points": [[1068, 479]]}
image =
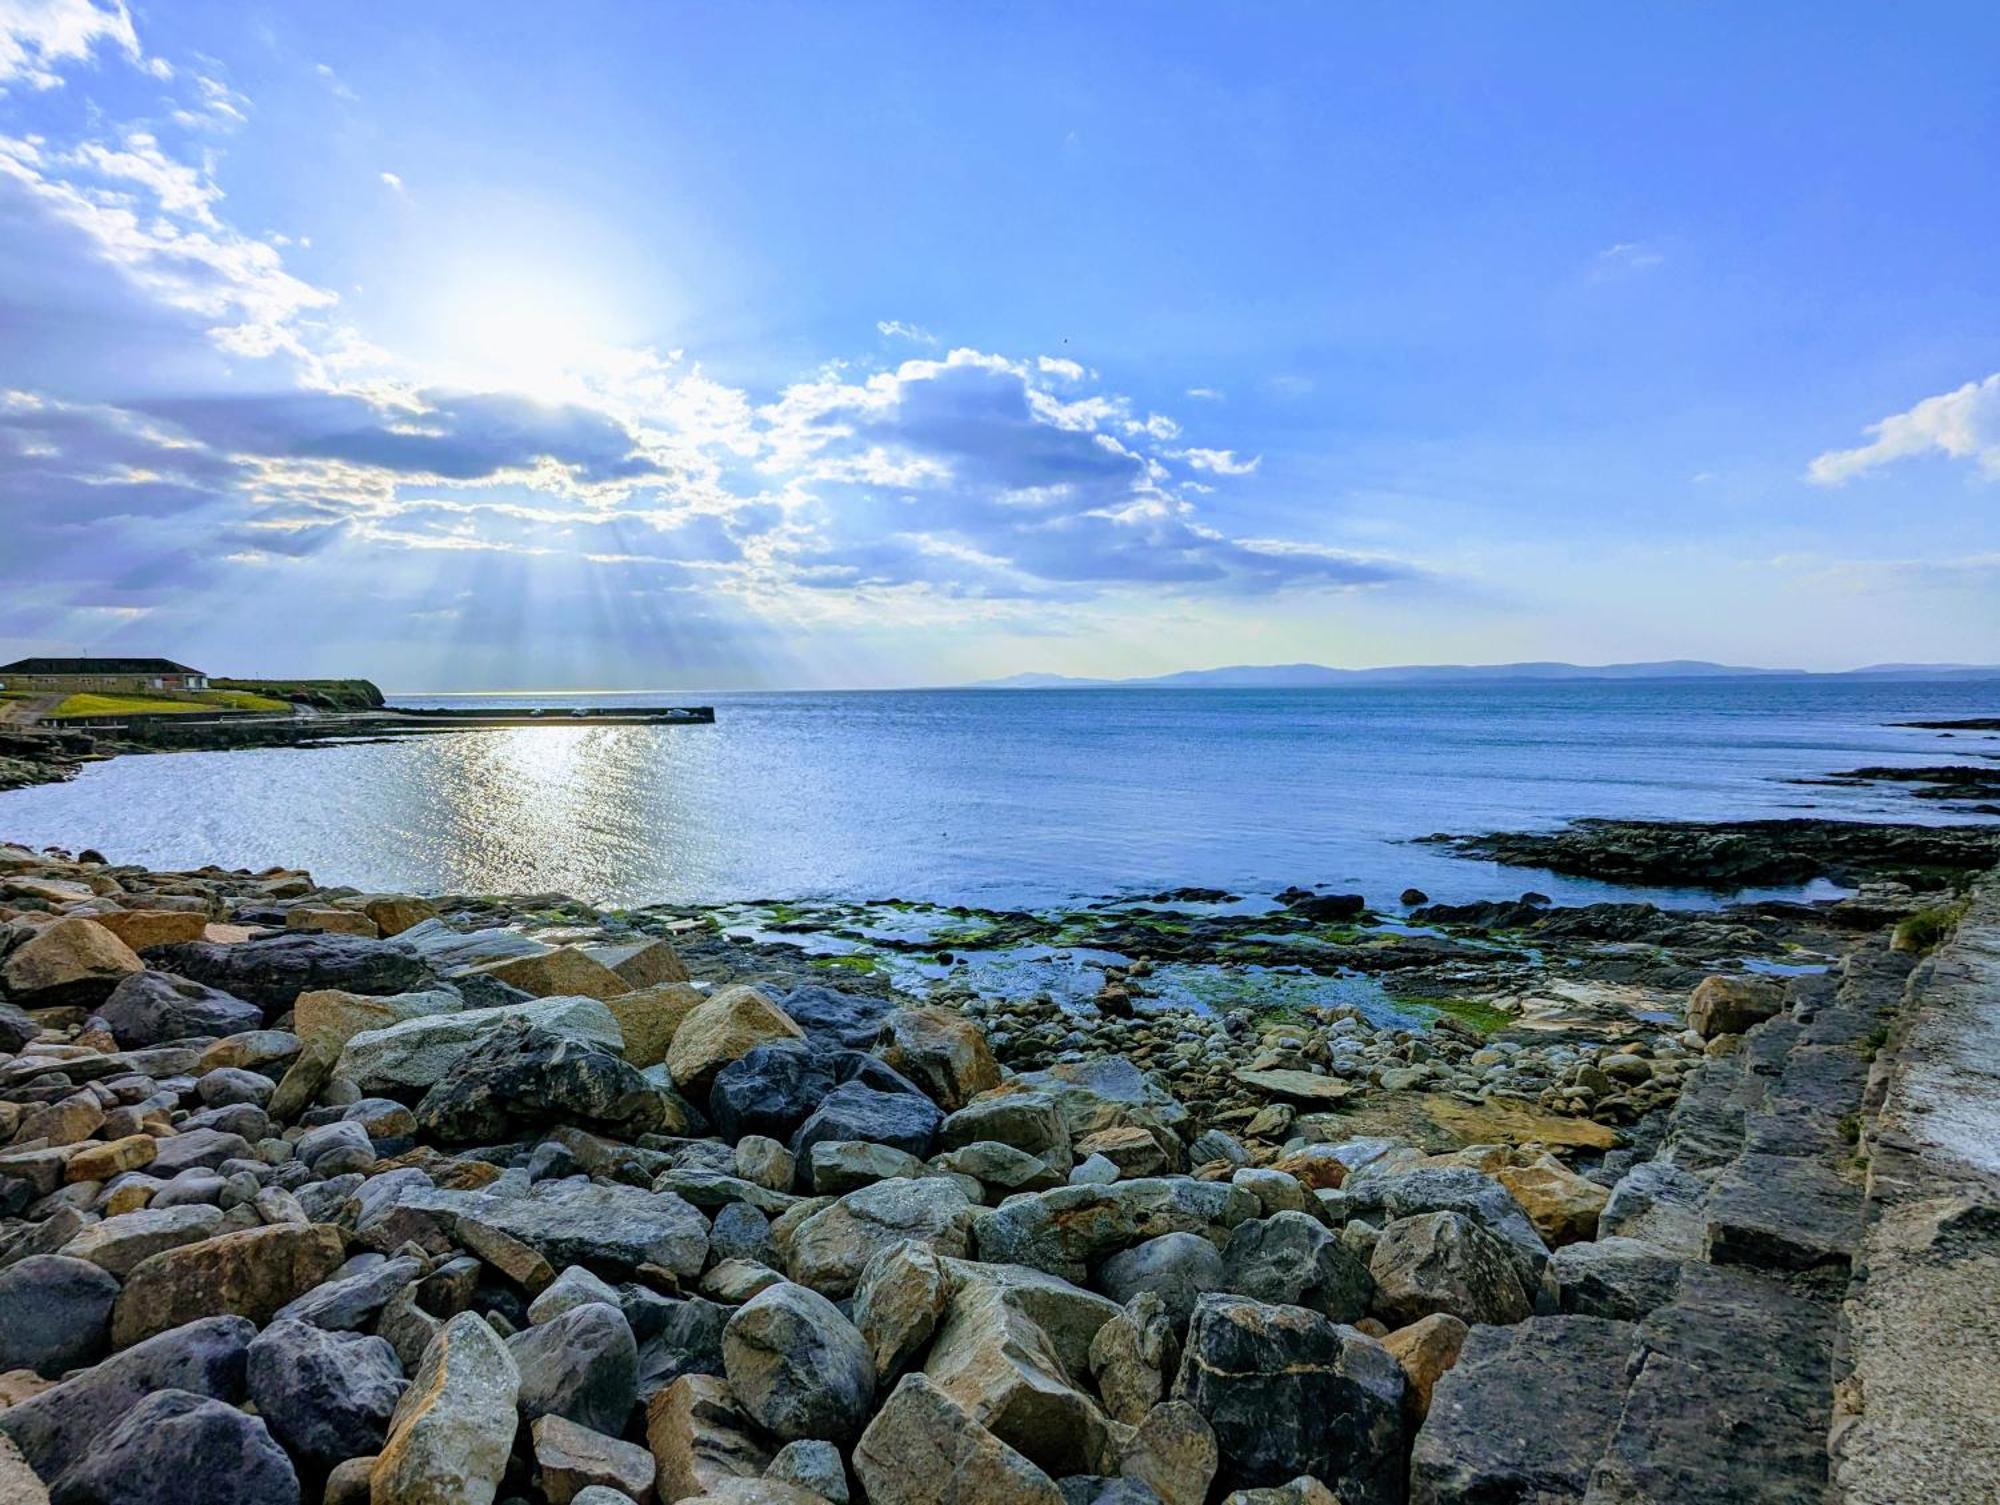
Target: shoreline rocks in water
{"points": [[298, 1213]]}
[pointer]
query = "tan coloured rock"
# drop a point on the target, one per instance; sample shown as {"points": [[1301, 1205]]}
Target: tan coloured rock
{"points": [[451, 1433], [1426, 1350], [1173, 1453], [140, 928], [565, 972], [249, 1274], [394, 913], [698, 1437], [722, 1028], [334, 921], [1299, 1086], [1132, 1149], [570, 1458], [649, 1018], [1729, 1005], [643, 964], [327, 1018], [1562, 1205], [19, 1484], [942, 1051], [100, 1162], [923, 1449], [69, 961]]}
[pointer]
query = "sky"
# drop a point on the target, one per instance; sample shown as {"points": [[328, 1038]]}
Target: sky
{"points": [[749, 345]]}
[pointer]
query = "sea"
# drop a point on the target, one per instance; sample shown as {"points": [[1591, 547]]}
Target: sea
{"points": [[1018, 799]]}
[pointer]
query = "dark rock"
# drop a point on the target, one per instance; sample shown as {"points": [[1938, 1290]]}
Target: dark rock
{"points": [[1458, 1189], [742, 1232], [830, 1017], [1329, 907], [274, 970], [583, 1365], [578, 1222], [149, 1008], [523, 1076], [1292, 1259], [55, 1314], [902, 1120], [61, 1424], [1178, 1267], [1444, 1262], [770, 1090], [176, 1448], [327, 1395], [1288, 1393], [677, 1338], [797, 1366], [16, 1028], [348, 1302], [1615, 1277]]}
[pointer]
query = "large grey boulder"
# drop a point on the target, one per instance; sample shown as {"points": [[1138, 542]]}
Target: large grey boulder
{"points": [[150, 1008], [1288, 1393], [523, 1076], [55, 1314], [414, 1053], [327, 1395], [350, 1299], [829, 1248], [1133, 1358], [1177, 1267], [1293, 1259], [272, 971], [1658, 1203], [1459, 1189], [856, 1111], [582, 1365], [1069, 1229], [579, 1222], [1615, 1277], [178, 1448], [453, 1430], [797, 1366], [1445, 1262]]}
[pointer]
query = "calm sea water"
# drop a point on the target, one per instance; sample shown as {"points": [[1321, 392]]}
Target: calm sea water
{"points": [[1011, 798]]}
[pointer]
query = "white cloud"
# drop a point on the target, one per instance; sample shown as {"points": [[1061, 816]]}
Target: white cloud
{"points": [[1059, 366], [1627, 256], [1221, 462], [896, 329], [36, 36], [392, 182], [1963, 424], [1205, 394]]}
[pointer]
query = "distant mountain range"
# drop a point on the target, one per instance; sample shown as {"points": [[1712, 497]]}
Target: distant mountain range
{"points": [[1313, 676]]}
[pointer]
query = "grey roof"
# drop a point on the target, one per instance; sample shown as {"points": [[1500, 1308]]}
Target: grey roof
{"points": [[96, 666]]}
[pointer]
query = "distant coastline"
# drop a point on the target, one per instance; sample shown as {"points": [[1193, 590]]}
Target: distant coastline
{"points": [[1316, 676]]}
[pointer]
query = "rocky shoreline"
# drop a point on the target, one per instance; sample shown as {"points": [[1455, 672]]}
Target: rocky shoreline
{"points": [[310, 1194]]}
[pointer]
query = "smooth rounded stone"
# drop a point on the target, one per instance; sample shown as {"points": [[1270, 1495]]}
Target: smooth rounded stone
{"points": [[571, 1460], [1728, 1005], [1000, 1166], [1615, 1277], [227, 1085], [1426, 1349], [326, 1138], [55, 1314], [829, 1248], [1293, 1259], [1274, 1190], [578, 1222], [246, 1120], [327, 1395], [152, 1008], [347, 1482], [73, 961], [740, 1231], [199, 1149], [351, 1298], [268, 1051], [942, 1051], [797, 1366], [1467, 1192], [1174, 1454], [1094, 1170], [274, 970], [1178, 1267], [189, 1188], [813, 1465], [923, 1449], [178, 1448], [765, 1162], [521, 1077], [250, 1274], [390, 1126], [120, 1244], [723, 1028], [573, 1288], [769, 1091], [844, 1165], [1133, 1358], [1287, 1393], [453, 1430], [735, 1281], [582, 1364], [1445, 1262], [856, 1111], [832, 1018], [1029, 1121], [66, 1421]]}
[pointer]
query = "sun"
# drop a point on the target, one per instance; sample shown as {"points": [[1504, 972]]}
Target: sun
{"points": [[538, 335]]}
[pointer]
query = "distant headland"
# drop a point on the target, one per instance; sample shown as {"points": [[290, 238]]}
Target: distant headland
{"points": [[1315, 676]]}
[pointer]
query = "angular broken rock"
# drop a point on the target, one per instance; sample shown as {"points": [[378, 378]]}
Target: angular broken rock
{"points": [[250, 1274], [699, 1436], [1426, 1349], [1173, 1453], [414, 1053], [898, 1301], [923, 1449], [724, 1027], [73, 961], [1069, 1229], [118, 1244], [942, 1051], [1293, 1259], [798, 1368], [1133, 1358], [1444, 1262], [453, 1430], [570, 1459], [327, 1395], [830, 1247], [583, 1365], [578, 1222], [175, 1446]]}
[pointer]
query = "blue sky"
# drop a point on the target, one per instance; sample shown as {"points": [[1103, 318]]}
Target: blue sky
{"points": [[715, 346]]}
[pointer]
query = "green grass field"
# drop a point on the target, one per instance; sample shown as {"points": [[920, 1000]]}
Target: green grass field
{"points": [[166, 705]]}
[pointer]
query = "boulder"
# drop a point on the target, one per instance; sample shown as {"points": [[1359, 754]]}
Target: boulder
{"points": [[117, 1244], [1728, 1005], [274, 970], [856, 1111], [583, 1365], [393, 913], [844, 1165], [1658, 1203], [522, 1076], [451, 1434], [1445, 1262], [1400, 1194], [18, 1483], [415, 1053], [327, 1018], [1562, 1205], [1623, 1278], [327, 1395], [1174, 1454], [829, 1248], [559, 972], [648, 1018], [353, 1296], [836, 1020], [1288, 1393], [899, 1299], [1426, 1349], [942, 1051], [1293, 1259], [699, 1438], [813, 1466], [74, 961], [1178, 1267], [797, 1367], [575, 1221], [770, 1090], [250, 1274], [723, 1028], [570, 1459], [320, 917], [140, 928], [178, 1448], [649, 963], [573, 1288], [922, 1448], [1031, 1122], [66, 1421], [999, 1167], [450, 950], [150, 1008], [55, 1314], [1067, 1230]]}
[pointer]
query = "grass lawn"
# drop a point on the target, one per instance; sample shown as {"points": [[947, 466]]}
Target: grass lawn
{"points": [[166, 705]]}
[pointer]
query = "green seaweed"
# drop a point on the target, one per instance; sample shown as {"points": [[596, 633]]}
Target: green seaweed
{"points": [[1481, 1016]]}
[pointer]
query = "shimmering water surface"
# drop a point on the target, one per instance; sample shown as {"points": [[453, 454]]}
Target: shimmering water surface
{"points": [[1013, 798]]}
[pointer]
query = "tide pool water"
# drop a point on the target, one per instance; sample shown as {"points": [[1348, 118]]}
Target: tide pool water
{"points": [[1015, 798]]}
